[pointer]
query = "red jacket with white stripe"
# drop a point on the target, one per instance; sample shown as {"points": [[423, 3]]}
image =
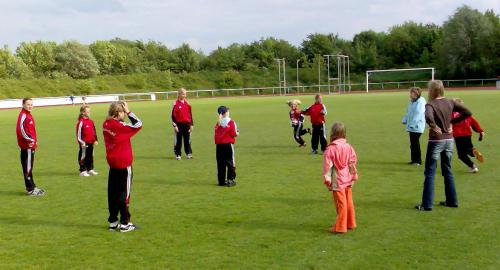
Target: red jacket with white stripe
{"points": [[225, 132], [85, 131], [317, 112], [26, 131], [181, 113], [296, 117], [463, 128], [117, 136]]}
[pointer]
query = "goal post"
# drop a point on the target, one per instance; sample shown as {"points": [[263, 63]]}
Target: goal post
{"points": [[369, 72]]}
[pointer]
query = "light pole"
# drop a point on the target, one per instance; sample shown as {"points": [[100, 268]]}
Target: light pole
{"points": [[298, 83]]}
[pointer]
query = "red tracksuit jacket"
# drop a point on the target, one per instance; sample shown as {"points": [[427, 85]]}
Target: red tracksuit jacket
{"points": [[296, 116], [225, 134], [463, 128], [181, 113], [85, 131], [317, 112], [25, 130], [117, 136]]}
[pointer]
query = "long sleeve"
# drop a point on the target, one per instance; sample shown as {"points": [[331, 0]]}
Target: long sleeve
{"points": [[429, 115], [79, 132], [328, 171], [25, 133], [174, 122], [464, 112], [475, 125], [191, 116]]}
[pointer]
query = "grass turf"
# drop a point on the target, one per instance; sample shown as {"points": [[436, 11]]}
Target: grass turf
{"points": [[276, 217]]}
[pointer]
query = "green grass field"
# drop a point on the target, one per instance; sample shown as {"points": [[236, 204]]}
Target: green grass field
{"points": [[277, 216]]}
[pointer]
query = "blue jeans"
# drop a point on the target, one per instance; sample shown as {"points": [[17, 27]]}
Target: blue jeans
{"points": [[436, 150]]}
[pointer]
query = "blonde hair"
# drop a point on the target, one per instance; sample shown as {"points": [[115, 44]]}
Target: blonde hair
{"points": [[82, 110], [436, 89], [317, 96], [338, 131], [182, 90], [115, 108], [293, 101]]}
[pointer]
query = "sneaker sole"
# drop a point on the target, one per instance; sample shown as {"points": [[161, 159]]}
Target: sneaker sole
{"points": [[478, 155]]}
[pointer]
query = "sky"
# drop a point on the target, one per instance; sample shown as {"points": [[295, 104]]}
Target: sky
{"points": [[205, 25]]}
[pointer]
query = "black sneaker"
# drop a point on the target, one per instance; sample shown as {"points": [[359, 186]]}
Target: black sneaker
{"points": [[309, 131], [421, 208], [448, 205], [231, 183]]}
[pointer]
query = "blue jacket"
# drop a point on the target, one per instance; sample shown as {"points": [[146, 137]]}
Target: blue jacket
{"points": [[415, 116]]}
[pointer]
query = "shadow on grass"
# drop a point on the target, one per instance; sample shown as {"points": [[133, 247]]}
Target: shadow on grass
{"points": [[12, 193], [266, 225], [21, 221]]}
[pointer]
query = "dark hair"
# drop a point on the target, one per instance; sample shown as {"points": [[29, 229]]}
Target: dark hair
{"points": [[26, 99], [82, 109], [337, 132]]}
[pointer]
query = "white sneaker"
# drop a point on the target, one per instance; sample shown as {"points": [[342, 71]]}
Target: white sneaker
{"points": [[178, 157], [85, 174], [473, 169], [128, 228], [36, 192], [92, 172], [114, 226], [189, 156]]}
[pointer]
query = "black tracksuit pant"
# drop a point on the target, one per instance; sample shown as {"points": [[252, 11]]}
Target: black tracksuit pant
{"points": [[185, 135], [416, 154], [119, 184], [86, 157], [225, 159], [464, 150], [298, 131], [27, 160], [318, 136]]}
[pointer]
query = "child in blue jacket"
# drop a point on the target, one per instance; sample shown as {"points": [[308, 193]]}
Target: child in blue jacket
{"points": [[415, 123]]}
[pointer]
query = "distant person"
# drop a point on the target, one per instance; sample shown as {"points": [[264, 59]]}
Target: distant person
{"points": [[117, 136], [27, 141], [297, 120], [225, 137], [87, 138], [182, 122], [72, 99], [317, 112], [339, 174], [414, 120], [84, 100], [438, 113], [463, 139]]}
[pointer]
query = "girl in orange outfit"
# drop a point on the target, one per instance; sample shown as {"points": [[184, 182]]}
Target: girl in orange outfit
{"points": [[339, 174]]}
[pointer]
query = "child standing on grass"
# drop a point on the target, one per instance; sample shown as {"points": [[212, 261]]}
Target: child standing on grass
{"points": [[317, 112], [86, 137], [182, 122], [339, 174], [225, 134], [463, 134], [117, 136], [297, 119], [27, 141]]}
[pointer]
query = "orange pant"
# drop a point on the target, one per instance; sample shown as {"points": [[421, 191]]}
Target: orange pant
{"points": [[345, 210]]}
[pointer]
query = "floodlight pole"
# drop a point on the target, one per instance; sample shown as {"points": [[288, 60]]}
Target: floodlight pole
{"points": [[298, 83], [281, 79]]}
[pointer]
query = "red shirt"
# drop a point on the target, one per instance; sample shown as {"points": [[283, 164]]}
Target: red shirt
{"points": [[296, 116], [181, 113], [117, 136], [317, 112], [463, 128], [225, 134], [85, 131], [25, 130]]}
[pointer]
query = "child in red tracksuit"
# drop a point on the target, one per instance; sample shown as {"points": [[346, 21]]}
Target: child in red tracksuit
{"points": [[27, 141], [317, 112], [182, 122], [339, 174], [225, 134], [87, 138], [297, 119], [117, 136], [463, 134]]}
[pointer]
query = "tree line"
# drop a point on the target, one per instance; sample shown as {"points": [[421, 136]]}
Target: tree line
{"points": [[465, 46]]}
